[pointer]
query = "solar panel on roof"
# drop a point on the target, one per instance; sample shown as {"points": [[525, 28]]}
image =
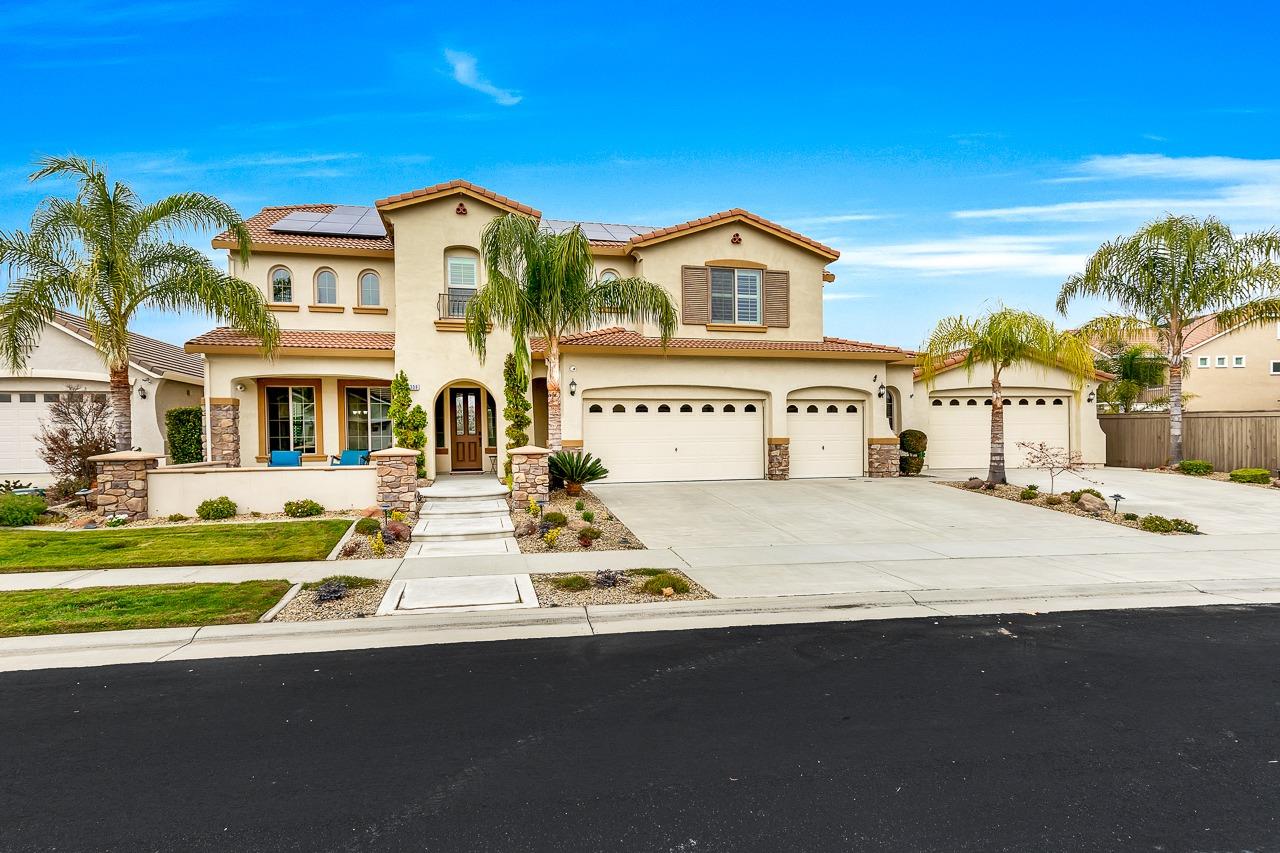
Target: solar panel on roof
{"points": [[343, 221]]}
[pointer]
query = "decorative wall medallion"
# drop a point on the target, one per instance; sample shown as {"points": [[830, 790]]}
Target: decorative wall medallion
{"points": [[461, 209], [736, 238]]}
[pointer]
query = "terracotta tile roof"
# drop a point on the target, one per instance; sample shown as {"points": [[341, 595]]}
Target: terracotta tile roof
{"points": [[298, 339], [260, 232], [448, 186], [147, 353], [736, 213], [1199, 330], [957, 358], [616, 336]]}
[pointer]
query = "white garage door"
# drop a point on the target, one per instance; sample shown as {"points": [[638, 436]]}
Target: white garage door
{"points": [[960, 428], [826, 438], [20, 416], [642, 441]]}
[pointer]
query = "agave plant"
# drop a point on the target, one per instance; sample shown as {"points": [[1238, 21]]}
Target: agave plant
{"points": [[576, 468]]}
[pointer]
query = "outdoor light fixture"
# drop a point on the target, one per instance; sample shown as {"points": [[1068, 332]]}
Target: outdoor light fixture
{"points": [[880, 391], [240, 386], [386, 512], [1090, 397], [573, 387], [1117, 499], [142, 393]]}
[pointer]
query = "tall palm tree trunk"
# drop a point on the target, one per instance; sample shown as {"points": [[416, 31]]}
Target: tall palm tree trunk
{"points": [[995, 470], [1175, 410], [121, 400], [553, 396]]}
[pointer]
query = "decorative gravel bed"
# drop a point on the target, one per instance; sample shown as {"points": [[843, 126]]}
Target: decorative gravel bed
{"points": [[627, 591], [1220, 476], [614, 534], [358, 548], [357, 603], [1011, 492]]}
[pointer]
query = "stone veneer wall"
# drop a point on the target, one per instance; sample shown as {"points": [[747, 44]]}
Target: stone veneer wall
{"points": [[530, 475], [779, 459], [882, 457], [397, 478], [224, 432], [122, 482]]}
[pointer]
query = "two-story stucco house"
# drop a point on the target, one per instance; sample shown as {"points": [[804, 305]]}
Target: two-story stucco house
{"points": [[749, 388]]}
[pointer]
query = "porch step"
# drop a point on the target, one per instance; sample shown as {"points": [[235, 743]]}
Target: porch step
{"points": [[464, 548], [432, 528], [463, 489], [440, 507]]}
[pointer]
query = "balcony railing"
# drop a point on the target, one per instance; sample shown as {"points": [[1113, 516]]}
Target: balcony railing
{"points": [[453, 304]]}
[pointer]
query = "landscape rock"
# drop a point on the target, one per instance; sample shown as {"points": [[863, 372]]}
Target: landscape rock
{"points": [[974, 483], [1092, 503]]}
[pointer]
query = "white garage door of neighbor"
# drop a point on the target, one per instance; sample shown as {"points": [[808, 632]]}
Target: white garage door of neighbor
{"points": [[20, 416], [960, 428], [826, 438], [646, 441]]}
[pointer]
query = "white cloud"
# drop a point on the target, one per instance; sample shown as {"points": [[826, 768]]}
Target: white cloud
{"points": [[835, 219], [1026, 255], [466, 73]]}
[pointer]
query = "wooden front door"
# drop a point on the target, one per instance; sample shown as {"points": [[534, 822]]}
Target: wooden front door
{"points": [[464, 413]]}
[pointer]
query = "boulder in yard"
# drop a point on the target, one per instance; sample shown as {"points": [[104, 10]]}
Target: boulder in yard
{"points": [[974, 483], [1092, 503]]}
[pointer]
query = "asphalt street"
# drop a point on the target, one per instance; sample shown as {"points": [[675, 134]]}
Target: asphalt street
{"points": [[1122, 730]]}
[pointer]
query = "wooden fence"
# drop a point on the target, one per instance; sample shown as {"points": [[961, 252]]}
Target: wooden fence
{"points": [[1227, 439]]}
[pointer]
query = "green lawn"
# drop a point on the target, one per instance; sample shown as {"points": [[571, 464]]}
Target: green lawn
{"points": [[191, 545], [116, 608]]}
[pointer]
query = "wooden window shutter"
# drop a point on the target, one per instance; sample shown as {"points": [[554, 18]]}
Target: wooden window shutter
{"points": [[777, 298], [695, 295]]}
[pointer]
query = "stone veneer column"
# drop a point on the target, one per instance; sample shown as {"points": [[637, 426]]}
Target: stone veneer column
{"points": [[530, 475], [779, 459], [223, 441], [397, 477], [122, 482], [882, 457]]}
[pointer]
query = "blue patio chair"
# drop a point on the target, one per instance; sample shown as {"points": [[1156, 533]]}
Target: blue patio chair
{"points": [[350, 457], [285, 459]]}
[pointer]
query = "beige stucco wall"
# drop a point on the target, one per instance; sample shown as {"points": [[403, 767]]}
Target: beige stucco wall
{"points": [[303, 267], [1086, 433], [1251, 388], [256, 490]]}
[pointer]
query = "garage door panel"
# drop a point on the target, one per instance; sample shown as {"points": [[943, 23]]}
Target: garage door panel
{"points": [[826, 442], [654, 446], [20, 422], [960, 435]]}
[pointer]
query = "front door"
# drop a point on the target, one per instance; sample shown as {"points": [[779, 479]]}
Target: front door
{"points": [[464, 411]]}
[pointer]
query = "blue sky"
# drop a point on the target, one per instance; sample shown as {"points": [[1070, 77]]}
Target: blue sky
{"points": [[956, 155]]}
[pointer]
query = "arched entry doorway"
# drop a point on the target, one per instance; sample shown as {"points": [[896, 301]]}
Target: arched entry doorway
{"points": [[466, 427]]}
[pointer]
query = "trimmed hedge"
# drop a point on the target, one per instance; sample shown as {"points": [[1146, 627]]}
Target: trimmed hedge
{"points": [[368, 526], [1195, 467], [184, 428], [20, 510], [305, 508], [215, 509], [1251, 475]]}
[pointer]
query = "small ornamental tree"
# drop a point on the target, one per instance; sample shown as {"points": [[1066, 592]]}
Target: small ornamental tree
{"points": [[408, 420], [79, 425], [516, 411], [1052, 460], [184, 428]]}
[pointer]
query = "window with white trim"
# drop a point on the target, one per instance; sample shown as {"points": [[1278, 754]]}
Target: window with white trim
{"points": [[326, 287], [1220, 361], [1275, 368], [281, 285], [368, 412], [1237, 361], [1203, 361], [463, 276], [735, 296], [370, 289], [291, 417]]}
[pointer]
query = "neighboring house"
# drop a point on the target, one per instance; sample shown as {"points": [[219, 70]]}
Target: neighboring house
{"points": [[163, 376], [749, 388]]}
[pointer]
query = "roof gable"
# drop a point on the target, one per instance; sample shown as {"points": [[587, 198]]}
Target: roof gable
{"points": [[456, 187], [149, 354], [728, 217]]}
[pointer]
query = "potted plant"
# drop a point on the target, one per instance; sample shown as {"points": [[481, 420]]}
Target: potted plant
{"points": [[576, 469]]}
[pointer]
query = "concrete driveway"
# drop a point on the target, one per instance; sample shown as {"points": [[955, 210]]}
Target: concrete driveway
{"points": [[756, 538]]}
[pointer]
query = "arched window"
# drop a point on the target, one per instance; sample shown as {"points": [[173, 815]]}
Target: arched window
{"points": [[707, 407], [1039, 402], [749, 407], [595, 409], [831, 410], [326, 287], [281, 285], [664, 408], [608, 276], [954, 403], [462, 277], [937, 402], [686, 408], [1057, 401], [619, 408], [370, 289], [851, 410], [730, 408], [811, 409], [791, 410], [642, 408], [986, 402], [972, 402], [1023, 402]]}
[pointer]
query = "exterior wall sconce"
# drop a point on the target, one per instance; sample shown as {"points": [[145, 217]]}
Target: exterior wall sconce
{"points": [[240, 387], [573, 387], [880, 392], [142, 393], [1090, 398]]}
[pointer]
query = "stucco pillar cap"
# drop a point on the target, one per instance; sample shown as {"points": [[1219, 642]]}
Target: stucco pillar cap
{"points": [[528, 450], [394, 451], [126, 456]]}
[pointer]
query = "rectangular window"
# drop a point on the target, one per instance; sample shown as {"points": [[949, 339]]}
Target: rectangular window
{"points": [[291, 418], [749, 297], [1275, 369], [463, 278], [26, 398], [6, 398], [722, 295], [1220, 361], [1203, 361], [51, 398], [1237, 361], [735, 296], [368, 418]]}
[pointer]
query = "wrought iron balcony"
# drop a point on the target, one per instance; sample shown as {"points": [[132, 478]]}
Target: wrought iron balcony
{"points": [[453, 303]]}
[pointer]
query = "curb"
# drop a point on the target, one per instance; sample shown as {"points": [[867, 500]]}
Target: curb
{"points": [[282, 603]]}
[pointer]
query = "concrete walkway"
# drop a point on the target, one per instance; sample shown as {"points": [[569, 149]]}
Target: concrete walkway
{"points": [[463, 516]]}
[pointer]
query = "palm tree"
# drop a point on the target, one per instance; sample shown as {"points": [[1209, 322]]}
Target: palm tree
{"points": [[1170, 277], [542, 284], [1136, 368], [1001, 339], [107, 256]]}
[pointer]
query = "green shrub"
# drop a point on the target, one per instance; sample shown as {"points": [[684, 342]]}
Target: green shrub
{"points": [[1156, 524], [659, 582], [576, 467], [1195, 467], [913, 441], [118, 521], [1030, 493], [1251, 475], [591, 533], [367, 526], [580, 505], [177, 516], [1052, 500], [398, 515], [646, 573], [555, 519], [571, 583], [588, 516], [20, 510], [349, 581], [1181, 525], [1075, 496], [15, 485], [216, 508], [304, 508], [378, 545], [184, 429], [910, 465], [1130, 516]]}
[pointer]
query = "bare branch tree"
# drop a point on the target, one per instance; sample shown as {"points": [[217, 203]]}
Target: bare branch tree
{"points": [[1054, 460], [79, 425]]}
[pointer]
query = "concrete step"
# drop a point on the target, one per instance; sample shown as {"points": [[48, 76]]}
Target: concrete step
{"points": [[457, 528], [463, 489], [464, 548], [439, 507]]}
